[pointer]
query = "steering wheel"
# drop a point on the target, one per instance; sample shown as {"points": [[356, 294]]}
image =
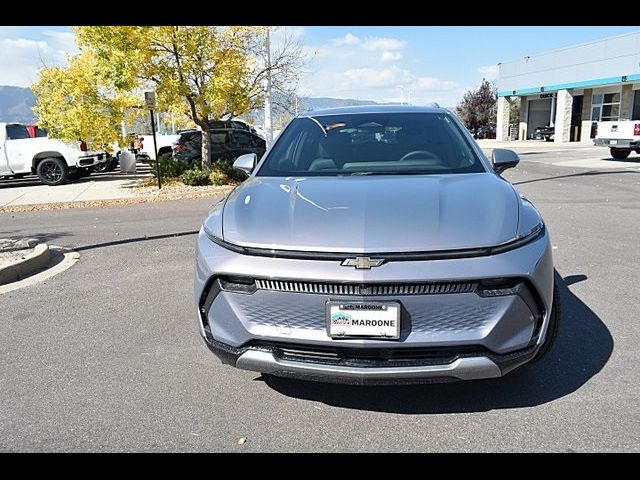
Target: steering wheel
{"points": [[421, 153]]}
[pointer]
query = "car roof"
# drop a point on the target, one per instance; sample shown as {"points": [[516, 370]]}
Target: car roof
{"points": [[433, 108]]}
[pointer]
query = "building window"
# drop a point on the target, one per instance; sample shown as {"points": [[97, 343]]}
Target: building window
{"points": [[605, 107]]}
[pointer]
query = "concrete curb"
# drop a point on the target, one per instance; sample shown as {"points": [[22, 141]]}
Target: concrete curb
{"points": [[62, 259], [36, 260]]}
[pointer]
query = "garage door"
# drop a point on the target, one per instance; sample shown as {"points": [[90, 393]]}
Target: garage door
{"points": [[539, 113]]}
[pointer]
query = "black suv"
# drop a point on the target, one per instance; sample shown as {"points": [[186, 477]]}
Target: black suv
{"points": [[229, 140]]}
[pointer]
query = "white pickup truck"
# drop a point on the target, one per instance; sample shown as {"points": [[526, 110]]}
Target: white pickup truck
{"points": [[621, 137], [164, 144], [52, 160]]}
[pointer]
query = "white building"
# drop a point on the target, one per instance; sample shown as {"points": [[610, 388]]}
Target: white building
{"points": [[572, 88]]}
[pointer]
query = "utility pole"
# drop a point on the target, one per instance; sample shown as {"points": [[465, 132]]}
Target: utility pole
{"points": [[150, 102], [268, 126]]}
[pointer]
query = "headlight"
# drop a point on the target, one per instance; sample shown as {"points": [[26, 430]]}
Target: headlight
{"points": [[532, 235], [213, 223]]}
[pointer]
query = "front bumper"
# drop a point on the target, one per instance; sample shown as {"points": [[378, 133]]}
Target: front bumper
{"points": [[277, 360], [444, 336]]}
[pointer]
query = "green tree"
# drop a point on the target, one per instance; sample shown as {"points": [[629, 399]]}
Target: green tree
{"points": [[478, 108]]}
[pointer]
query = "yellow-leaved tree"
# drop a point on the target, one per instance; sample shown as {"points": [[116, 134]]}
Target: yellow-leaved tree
{"points": [[203, 71], [75, 104]]}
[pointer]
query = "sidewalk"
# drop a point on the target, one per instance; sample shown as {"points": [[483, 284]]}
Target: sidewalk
{"points": [[29, 191]]}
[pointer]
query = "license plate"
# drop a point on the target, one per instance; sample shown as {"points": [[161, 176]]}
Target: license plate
{"points": [[363, 319], [613, 142]]}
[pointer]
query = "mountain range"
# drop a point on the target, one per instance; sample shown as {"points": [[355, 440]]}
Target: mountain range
{"points": [[16, 104]]}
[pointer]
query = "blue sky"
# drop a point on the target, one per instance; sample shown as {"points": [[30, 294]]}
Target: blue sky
{"points": [[367, 63]]}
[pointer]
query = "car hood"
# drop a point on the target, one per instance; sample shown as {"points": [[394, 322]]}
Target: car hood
{"points": [[363, 214]]}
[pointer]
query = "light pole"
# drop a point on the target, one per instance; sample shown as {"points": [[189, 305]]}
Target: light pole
{"points": [[268, 127], [150, 102]]}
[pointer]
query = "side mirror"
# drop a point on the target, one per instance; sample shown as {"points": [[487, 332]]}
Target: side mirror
{"points": [[246, 162], [502, 159]]}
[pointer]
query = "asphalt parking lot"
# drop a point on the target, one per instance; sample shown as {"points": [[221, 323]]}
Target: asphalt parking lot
{"points": [[106, 355]]}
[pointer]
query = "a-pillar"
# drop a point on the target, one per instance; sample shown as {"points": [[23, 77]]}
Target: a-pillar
{"points": [[564, 109], [502, 124]]}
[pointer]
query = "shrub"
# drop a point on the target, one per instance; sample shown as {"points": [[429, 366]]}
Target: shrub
{"points": [[169, 166], [195, 177], [218, 178], [222, 173]]}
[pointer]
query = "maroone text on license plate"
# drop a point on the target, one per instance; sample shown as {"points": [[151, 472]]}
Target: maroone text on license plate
{"points": [[363, 319]]}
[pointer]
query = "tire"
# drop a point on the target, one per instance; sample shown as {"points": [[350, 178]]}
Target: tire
{"points": [[101, 167], [547, 139], [112, 163], [164, 150], [78, 173], [554, 322], [53, 171], [85, 172], [619, 153]]}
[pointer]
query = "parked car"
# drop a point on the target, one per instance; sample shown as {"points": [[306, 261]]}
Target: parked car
{"points": [[53, 161], [546, 133], [226, 143], [376, 244], [164, 144], [622, 137]]}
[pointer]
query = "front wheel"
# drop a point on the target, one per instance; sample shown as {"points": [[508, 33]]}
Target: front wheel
{"points": [[53, 171], [101, 167], [78, 173], [619, 153], [85, 172]]}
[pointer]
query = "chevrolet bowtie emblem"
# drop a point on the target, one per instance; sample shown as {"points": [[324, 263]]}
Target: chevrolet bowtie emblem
{"points": [[362, 263]]}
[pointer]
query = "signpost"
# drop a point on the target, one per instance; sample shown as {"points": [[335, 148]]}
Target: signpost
{"points": [[150, 102]]}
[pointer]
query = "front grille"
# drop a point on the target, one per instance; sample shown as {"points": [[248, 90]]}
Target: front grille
{"points": [[371, 289]]}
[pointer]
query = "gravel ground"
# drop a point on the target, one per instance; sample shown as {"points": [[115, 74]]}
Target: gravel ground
{"points": [[184, 191], [145, 194]]}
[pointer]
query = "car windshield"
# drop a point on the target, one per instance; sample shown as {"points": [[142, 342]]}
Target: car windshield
{"points": [[372, 144]]}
